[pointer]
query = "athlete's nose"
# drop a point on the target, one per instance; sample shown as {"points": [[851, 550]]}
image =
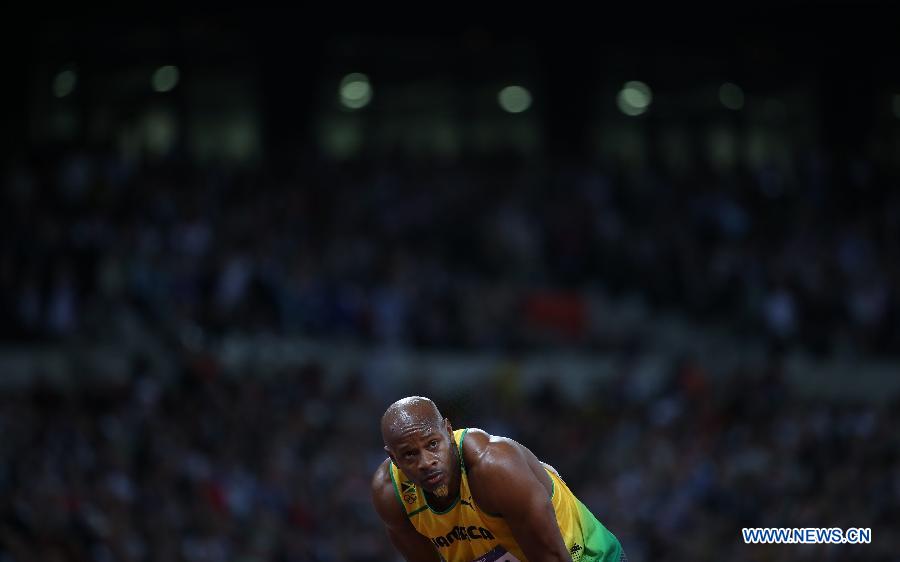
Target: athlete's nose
{"points": [[427, 461]]}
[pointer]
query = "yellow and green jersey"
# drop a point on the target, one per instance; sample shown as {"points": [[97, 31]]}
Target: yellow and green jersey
{"points": [[465, 533]]}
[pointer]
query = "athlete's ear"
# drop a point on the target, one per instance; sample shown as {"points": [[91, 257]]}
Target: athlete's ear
{"points": [[448, 426], [388, 451]]}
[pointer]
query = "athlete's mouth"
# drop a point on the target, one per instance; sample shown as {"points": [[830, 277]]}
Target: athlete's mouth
{"points": [[433, 479]]}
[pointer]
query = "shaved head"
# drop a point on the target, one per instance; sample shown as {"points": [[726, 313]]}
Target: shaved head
{"points": [[412, 412], [420, 441]]}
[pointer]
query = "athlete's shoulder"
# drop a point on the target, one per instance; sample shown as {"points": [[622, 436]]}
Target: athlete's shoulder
{"points": [[481, 450], [381, 480], [383, 472], [497, 469], [384, 496]]}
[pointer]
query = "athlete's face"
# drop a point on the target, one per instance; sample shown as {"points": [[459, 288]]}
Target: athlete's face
{"points": [[425, 452]]}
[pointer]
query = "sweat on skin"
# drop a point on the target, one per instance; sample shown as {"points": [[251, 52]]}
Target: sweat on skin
{"points": [[410, 416]]}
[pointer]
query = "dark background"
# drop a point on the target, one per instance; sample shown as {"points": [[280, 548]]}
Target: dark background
{"points": [[209, 295]]}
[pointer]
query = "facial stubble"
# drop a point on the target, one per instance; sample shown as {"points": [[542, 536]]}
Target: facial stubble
{"points": [[442, 491]]}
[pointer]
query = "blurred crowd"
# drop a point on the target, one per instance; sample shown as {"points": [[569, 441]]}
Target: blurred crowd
{"points": [[491, 253], [209, 468], [496, 253]]}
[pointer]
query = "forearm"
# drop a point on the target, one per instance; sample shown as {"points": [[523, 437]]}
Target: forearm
{"points": [[547, 555], [412, 548], [538, 534]]}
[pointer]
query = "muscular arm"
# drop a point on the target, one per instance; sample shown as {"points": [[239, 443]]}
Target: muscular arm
{"points": [[505, 478], [413, 546]]}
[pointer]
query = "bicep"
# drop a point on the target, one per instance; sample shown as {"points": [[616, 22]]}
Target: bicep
{"points": [[515, 491]]}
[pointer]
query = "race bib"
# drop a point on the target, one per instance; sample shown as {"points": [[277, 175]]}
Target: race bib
{"points": [[498, 554]]}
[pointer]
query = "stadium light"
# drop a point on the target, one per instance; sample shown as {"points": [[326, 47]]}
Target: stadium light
{"points": [[355, 91], [514, 99], [165, 78], [64, 83], [732, 96], [634, 98]]}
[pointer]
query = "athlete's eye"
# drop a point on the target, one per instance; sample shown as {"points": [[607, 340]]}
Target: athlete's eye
{"points": [[409, 454], [433, 443]]}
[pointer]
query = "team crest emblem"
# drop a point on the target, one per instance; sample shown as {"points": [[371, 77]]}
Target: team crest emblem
{"points": [[409, 492]]}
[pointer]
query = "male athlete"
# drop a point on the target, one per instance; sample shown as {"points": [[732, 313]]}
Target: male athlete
{"points": [[466, 496]]}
